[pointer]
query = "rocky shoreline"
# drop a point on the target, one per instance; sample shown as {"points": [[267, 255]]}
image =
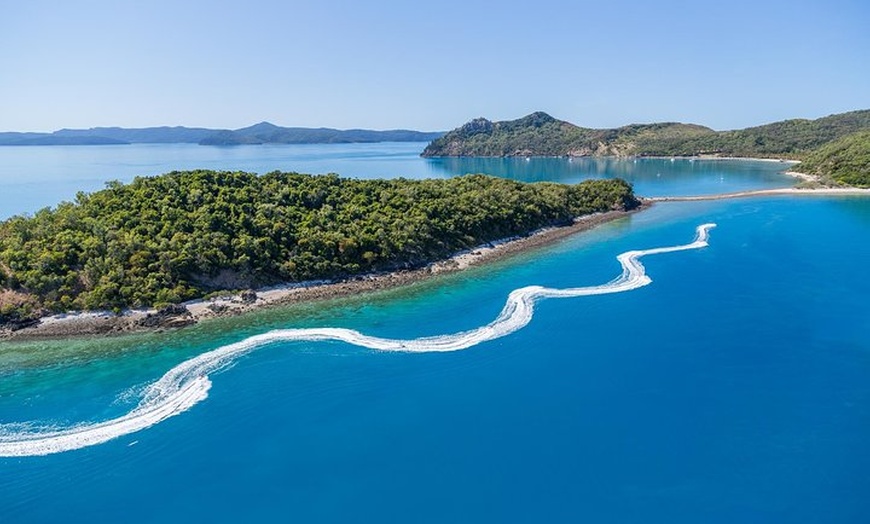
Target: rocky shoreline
{"points": [[189, 313]]}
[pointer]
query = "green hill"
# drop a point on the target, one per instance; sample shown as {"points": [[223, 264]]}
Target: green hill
{"points": [[539, 134], [785, 139], [262, 133], [182, 235], [44, 139], [844, 161], [266, 133], [542, 135]]}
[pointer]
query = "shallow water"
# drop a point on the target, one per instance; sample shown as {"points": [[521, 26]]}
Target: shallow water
{"points": [[733, 388]]}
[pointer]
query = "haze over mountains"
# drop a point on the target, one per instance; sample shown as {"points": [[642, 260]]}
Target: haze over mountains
{"points": [[262, 133]]}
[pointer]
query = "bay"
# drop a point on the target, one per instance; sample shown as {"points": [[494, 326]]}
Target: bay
{"points": [[33, 177], [732, 389]]}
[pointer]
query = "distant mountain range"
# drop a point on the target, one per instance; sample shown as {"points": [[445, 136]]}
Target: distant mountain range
{"points": [[262, 133], [539, 134]]}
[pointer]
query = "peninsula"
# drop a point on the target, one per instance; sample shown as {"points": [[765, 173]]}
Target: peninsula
{"points": [[164, 240], [539, 134], [835, 148]]}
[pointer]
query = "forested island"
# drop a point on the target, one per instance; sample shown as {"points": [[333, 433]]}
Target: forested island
{"points": [[539, 134], [179, 236], [262, 133]]}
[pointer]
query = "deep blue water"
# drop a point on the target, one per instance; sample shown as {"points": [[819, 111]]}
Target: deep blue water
{"points": [[33, 177], [732, 389]]}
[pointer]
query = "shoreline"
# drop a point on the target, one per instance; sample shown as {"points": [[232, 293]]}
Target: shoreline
{"points": [[828, 191], [788, 161], [75, 324], [804, 177], [747, 158]]}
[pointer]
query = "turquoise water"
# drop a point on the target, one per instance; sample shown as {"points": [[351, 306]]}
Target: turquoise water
{"points": [[733, 388], [34, 177]]}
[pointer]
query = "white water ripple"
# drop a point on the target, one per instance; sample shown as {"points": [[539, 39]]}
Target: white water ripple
{"points": [[187, 384]]}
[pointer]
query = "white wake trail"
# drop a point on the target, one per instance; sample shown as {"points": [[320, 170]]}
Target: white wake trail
{"points": [[187, 384]]}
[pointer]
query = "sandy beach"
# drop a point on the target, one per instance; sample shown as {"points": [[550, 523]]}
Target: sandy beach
{"points": [[748, 159], [802, 176], [102, 322], [845, 191]]}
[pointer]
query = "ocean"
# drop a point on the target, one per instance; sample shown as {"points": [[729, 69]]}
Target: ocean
{"points": [[33, 177], [731, 388]]}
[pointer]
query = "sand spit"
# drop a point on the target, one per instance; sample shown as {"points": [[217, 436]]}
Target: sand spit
{"points": [[846, 191]]}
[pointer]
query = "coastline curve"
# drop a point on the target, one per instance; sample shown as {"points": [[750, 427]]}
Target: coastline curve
{"points": [[187, 384]]}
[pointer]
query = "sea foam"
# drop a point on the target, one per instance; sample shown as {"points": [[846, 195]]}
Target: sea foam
{"points": [[187, 384]]}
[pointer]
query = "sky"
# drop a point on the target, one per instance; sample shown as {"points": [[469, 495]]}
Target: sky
{"points": [[428, 65]]}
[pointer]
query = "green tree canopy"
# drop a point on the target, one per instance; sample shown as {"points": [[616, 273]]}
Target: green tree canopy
{"points": [[181, 235]]}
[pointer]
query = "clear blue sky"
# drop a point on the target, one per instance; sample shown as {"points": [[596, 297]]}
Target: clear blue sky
{"points": [[428, 65]]}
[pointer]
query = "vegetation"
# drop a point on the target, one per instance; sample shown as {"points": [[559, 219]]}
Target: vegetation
{"points": [[45, 139], [262, 133], [539, 134], [182, 235], [542, 135], [844, 161], [786, 139], [266, 133]]}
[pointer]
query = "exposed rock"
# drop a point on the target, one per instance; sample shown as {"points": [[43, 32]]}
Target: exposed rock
{"points": [[476, 127], [16, 324], [248, 296], [218, 307], [172, 316]]}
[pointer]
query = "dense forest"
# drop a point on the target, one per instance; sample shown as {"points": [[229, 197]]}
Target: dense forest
{"points": [[165, 239], [844, 161], [542, 135]]}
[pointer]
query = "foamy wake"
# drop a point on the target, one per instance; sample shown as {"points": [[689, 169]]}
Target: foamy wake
{"points": [[186, 384]]}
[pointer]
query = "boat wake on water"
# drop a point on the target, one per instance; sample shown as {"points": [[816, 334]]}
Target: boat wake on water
{"points": [[187, 384]]}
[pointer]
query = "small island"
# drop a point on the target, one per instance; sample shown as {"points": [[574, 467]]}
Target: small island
{"points": [[160, 241]]}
